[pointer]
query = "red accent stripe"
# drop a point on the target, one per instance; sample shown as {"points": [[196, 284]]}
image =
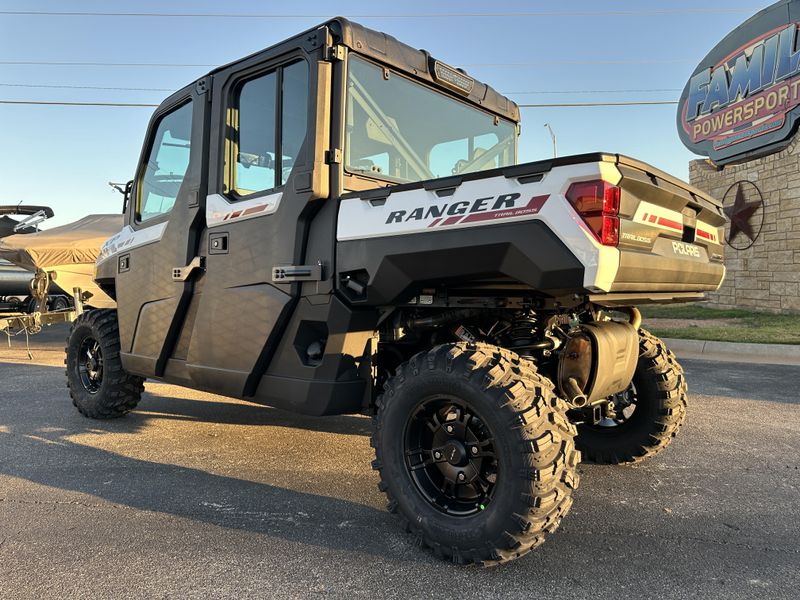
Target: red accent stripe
{"points": [[670, 223], [451, 220], [254, 209], [533, 207], [434, 222], [652, 218]]}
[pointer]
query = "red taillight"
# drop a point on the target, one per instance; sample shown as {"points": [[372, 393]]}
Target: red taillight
{"points": [[610, 235], [597, 202]]}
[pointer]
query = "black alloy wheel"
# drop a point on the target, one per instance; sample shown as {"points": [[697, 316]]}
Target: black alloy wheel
{"points": [[450, 456], [90, 365]]}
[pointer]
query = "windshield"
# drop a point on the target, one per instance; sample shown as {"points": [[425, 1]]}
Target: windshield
{"points": [[403, 131]]}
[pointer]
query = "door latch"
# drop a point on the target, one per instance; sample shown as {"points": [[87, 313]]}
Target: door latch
{"points": [[292, 273], [183, 273]]}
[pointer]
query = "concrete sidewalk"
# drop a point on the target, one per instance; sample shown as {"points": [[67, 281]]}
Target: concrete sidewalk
{"points": [[776, 354]]}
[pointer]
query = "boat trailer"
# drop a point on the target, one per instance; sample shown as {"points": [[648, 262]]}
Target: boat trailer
{"points": [[33, 322]]}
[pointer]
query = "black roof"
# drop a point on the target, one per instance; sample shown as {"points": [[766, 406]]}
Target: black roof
{"points": [[386, 49]]}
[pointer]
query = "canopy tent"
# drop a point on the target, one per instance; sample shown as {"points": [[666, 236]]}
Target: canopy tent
{"points": [[75, 243]]}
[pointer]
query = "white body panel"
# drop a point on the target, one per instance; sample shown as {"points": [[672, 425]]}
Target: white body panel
{"points": [[129, 238], [220, 211], [487, 202]]}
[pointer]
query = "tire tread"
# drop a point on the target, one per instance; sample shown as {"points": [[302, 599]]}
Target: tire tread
{"points": [[122, 391], [535, 416]]}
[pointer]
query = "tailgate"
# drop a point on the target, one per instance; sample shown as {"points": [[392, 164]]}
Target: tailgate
{"points": [[671, 234]]}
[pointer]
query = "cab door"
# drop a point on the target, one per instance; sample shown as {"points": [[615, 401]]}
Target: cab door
{"points": [[267, 180], [155, 272]]}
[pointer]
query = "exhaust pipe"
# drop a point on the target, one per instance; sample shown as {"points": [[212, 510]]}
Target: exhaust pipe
{"points": [[598, 360], [574, 394], [634, 315]]}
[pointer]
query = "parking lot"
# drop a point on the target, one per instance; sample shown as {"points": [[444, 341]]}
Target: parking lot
{"points": [[194, 495]]}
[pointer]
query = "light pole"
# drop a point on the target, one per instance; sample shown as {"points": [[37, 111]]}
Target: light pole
{"points": [[552, 137]]}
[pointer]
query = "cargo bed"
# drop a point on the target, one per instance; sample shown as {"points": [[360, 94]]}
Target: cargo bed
{"points": [[530, 224]]}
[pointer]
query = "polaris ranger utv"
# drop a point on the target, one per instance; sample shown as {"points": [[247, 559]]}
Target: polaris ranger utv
{"points": [[338, 224]]}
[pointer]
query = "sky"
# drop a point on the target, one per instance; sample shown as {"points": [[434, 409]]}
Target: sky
{"points": [[64, 156]]}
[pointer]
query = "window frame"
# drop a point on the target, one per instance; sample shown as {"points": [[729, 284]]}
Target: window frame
{"points": [[439, 90], [155, 123], [230, 146]]}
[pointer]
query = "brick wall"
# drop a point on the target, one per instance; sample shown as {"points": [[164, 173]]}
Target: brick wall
{"points": [[767, 275]]}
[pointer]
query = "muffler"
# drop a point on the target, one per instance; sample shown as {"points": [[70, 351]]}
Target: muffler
{"points": [[598, 360]]}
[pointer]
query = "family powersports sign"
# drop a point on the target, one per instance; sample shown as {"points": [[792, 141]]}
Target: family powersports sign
{"points": [[743, 100]]}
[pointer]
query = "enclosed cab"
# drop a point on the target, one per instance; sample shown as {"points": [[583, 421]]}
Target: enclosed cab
{"points": [[339, 224]]}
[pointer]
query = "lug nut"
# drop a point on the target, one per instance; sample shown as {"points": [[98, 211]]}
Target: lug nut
{"points": [[449, 429], [437, 455], [474, 449], [461, 477]]}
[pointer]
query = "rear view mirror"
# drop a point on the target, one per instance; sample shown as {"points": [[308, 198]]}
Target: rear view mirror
{"points": [[125, 190]]}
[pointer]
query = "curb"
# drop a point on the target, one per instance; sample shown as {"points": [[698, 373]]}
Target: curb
{"points": [[776, 354]]}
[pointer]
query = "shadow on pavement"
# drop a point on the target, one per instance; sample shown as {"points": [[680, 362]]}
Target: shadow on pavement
{"points": [[154, 406], [35, 428]]}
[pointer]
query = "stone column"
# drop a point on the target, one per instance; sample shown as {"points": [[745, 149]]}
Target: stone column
{"points": [[765, 276]]}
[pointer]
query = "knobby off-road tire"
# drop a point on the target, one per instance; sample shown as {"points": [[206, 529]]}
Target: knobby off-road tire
{"points": [[510, 421], [98, 385], [658, 414]]}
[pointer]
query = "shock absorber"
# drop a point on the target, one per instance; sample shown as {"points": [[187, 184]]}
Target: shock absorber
{"points": [[523, 332]]}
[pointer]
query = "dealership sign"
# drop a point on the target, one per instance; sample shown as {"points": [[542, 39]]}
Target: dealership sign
{"points": [[743, 100]]}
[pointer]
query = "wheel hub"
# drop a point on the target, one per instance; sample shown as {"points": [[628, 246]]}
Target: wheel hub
{"points": [[455, 453]]}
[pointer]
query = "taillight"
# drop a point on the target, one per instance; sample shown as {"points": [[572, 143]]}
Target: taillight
{"points": [[597, 202]]}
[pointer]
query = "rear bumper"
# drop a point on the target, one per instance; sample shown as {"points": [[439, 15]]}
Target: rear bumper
{"points": [[639, 298], [653, 273]]}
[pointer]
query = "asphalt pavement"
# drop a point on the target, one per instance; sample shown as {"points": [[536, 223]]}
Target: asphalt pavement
{"points": [[198, 496]]}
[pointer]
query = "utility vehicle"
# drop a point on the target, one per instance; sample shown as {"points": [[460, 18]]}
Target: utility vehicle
{"points": [[338, 224]]}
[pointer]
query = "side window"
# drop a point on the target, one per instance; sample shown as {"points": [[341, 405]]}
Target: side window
{"points": [[263, 154], [167, 162], [255, 160]]}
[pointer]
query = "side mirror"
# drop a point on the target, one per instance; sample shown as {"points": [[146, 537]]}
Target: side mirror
{"points": [[125, 191]]}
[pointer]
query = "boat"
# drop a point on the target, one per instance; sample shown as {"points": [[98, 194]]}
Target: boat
{"points": [[66, 253], [14, 280]]}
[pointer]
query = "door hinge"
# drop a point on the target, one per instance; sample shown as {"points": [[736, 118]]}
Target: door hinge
{"points": [[292, 273], [336, 53], [183, 273], [333, 156]]}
